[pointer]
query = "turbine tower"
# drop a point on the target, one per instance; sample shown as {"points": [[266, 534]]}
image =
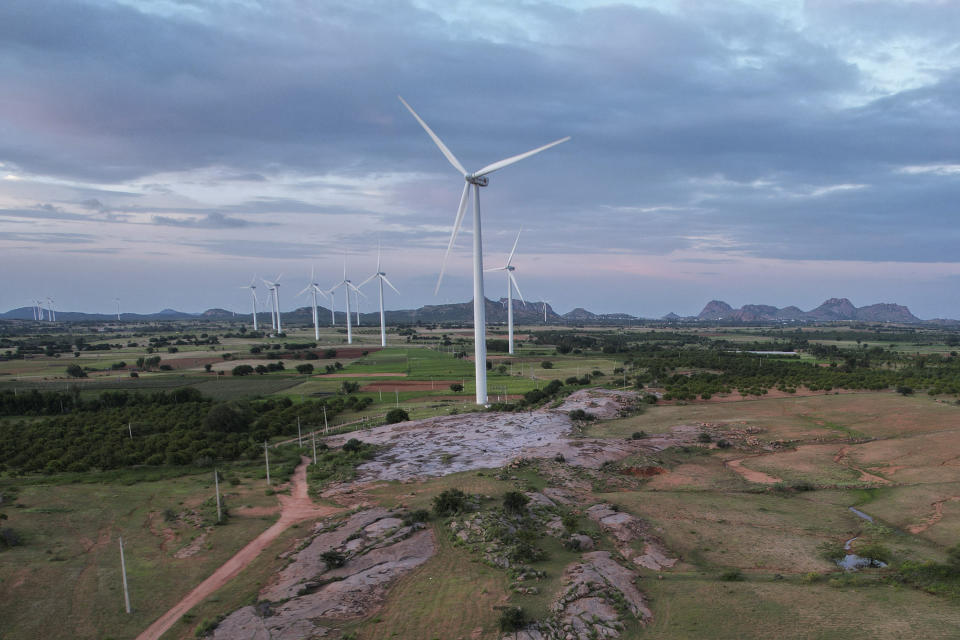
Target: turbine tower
{"points": [[117, 300], [511, 285], [381, 277], [476, 180], [347, 286], [53, 310], [315, 288], [275, 288], [253, 293]]}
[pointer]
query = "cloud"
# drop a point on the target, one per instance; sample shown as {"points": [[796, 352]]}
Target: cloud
{"points": [[213, 220]]}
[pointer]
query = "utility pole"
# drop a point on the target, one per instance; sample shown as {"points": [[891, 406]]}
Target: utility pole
{"points": [[266, 455], [130, 429], [216, 484], [326, 427], [299, 436], [123, 571], [313, 435]]}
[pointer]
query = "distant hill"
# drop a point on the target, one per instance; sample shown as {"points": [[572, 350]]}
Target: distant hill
{"points": [[832, 310]]}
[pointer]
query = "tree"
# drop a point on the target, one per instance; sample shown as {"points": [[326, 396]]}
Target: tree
{"points": [[546, 364], [76, 371], [242, 370], [456, 387], [227, 418], [514, 501], [305, 369], [207, 367]]}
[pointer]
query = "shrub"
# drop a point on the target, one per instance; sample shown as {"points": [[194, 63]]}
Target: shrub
{"points": [[418, 515], [570, 521], [546, 364], [449, 502], [580, 414], [242, 370], [353, 445], [456, 387], [875, 551], [639, 435], [348, 386], [306, 369], [397, 415], [9, 538], [514, 501], [512, 619], [704, 438], [723, 444], [732, 575], [333, 559], [831, 551]]}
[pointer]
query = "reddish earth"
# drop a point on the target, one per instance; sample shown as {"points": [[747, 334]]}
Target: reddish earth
{"points": [[293, 508], [750, 474], [409, 385]]}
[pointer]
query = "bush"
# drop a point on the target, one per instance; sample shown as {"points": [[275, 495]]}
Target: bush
{"points": [[704, 438], [580, 414], [831, 551], [353, 445], [512, 619], [514, 501], [456, 387], [875, 551], [732, 575], [449, 502], [349, 386], [418, 515], [9, 538], [397, 415], [638, 435], [306, 369], [242, 370], [546, 364], [333, 559]]}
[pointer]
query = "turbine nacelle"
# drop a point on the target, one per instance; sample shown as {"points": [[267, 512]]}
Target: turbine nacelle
{"points": [[480, 181]]}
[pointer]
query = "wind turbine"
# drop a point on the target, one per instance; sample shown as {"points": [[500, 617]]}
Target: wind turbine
{"points": [[347, 286], [381, 277], [315, 288], [476, 179], [53, 311], [253, 292], [275, 288], [511, 285], [117, 300]]}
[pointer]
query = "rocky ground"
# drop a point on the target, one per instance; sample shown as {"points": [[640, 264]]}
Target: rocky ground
{"points": [[373, 548]]}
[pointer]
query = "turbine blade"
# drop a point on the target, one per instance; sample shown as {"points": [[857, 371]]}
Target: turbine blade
{"points": [[453, 236], [517, 287], [352, 286], [367, 280], [514, 250], [490, 168], [495, 269], [390, 284], [304, 290], [378, 255], [452, 159]]}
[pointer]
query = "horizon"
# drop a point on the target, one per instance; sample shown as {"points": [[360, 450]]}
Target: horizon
{"points": [[749, 152]]}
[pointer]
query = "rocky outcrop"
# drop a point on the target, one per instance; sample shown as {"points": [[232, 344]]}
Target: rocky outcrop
{"points": [[832, 310], [373, 548], [625, 529]]}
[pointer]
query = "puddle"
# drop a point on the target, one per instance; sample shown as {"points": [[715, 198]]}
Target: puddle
{"points": [[851, 561]]}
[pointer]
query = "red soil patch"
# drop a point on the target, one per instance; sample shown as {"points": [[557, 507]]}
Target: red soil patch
{"points": [[409, 385]]}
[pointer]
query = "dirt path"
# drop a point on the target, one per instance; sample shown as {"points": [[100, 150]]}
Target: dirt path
{"points": [[750, 474], [293, 508]]}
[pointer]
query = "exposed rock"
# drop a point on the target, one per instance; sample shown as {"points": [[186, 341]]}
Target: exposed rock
{"points": [[247, 623], [622, 525], [308, 563], [602, 403], [654, 557], [584, 543]]}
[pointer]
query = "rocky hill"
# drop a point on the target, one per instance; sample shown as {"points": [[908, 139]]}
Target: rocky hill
{"points": [[832, 310]]}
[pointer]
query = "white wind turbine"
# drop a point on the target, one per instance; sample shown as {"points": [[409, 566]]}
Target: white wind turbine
{"points": [[381, 277], [275, 289], [476, 179], [253, 293], [53, 311], [117, 300], [347, 286], [511, 285], [315, 288]]}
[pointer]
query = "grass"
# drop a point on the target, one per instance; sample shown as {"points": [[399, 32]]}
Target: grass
{"points": [[64, 582]]}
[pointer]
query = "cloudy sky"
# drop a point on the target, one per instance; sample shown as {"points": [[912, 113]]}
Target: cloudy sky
{"points": [[165, 151]]}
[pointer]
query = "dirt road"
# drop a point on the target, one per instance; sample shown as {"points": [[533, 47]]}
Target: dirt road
{"points": [[293, 508]]}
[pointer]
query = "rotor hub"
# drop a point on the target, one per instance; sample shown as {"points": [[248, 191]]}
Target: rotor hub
{"points": [[480, 181]]}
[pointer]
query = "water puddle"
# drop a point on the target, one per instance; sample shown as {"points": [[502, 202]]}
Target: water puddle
{"points": [[851, 561]]}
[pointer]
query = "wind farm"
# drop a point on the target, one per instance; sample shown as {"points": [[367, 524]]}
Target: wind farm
{"points": [[694, 371]]}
